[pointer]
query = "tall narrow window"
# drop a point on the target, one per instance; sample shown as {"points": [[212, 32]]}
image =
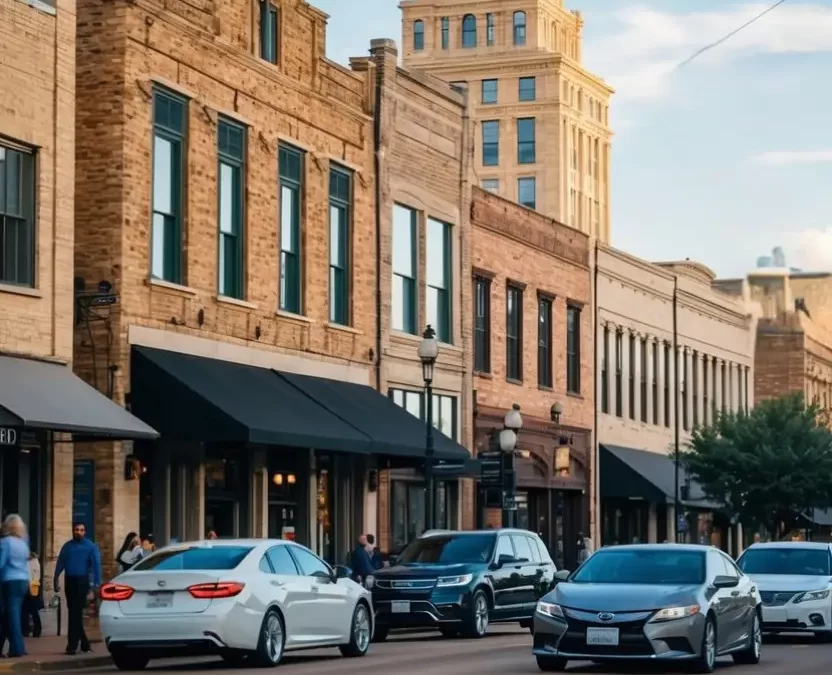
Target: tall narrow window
{"points": [[17, 217], [291, 166], [605, 364], [469, 31], [631, 379], [526, 192], [491, 143], [418, 35], [231, 148], [705, 388], [340, 208], [519, 29], [544, 342], [643, 381], [667, 371], [619, 364], [514, 333], [739, 389], [724, 388], [489, 91], [684, 388], [438, 262], [713, 401], [730, 370], [405, 291], [269, 32], [655, 350], [694, 386], [526, 141], [528, 89], [489, 29], [573, 349], [745, 384], [482, 324], [169, 129], [446, 32]]}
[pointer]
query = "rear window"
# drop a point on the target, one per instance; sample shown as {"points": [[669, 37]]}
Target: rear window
{"points": [[196, 558]]}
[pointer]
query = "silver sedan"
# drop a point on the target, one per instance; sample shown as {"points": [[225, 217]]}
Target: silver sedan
{"points": [[659, 602]]}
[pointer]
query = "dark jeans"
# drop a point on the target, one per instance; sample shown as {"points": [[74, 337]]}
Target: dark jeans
{"points": [[77, 590], [31, 616], [14, 592]]}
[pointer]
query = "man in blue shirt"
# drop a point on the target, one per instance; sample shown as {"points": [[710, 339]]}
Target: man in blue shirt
{"points": [[80, 560]]}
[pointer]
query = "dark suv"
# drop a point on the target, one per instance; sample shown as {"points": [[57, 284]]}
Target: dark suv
{"points": [[459, 582]]}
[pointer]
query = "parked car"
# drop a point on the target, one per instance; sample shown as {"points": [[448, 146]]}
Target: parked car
{"points": [[795, 585], [658, 602], [459, 582], [244, 600]]}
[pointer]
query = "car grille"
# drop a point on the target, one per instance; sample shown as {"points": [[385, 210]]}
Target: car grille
{"points": [[777, 598], [632, 641], [405, 584]]}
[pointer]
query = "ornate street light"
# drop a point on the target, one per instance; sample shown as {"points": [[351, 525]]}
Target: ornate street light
{"points": [[512, 423], [428, 353]]}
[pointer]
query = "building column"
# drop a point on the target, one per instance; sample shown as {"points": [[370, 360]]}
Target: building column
{"points": [[699, 401], [687, 364], [706, 389], [637, 367], [625, 374], [749, 399], [718, 384], [652, 534], [671, 522], [259, 495]]}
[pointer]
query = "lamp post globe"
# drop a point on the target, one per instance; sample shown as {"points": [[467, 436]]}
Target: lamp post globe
{"points": [[513, 420], [428, 353], [556, 411], [508, 440]]}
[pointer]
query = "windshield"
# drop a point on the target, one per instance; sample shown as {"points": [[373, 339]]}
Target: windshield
{"points": [[449, 549], [786, 560], [648, 566], [213, 558]]}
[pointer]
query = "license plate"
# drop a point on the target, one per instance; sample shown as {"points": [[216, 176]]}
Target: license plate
{"points": [[159, 600], [400, 607], [607, 637]]}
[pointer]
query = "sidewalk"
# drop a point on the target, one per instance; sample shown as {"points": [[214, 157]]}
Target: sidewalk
{"points": [[47, 654]]}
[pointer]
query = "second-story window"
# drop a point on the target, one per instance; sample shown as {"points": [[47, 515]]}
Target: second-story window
{"points": [[683, 390], [724, 388], [527, 89], [418, 35], [17, 217], [573, 349], [544, 342], [438, 263], [705, 386], [526, 141], [619, 365], [231, 148], [632, 376], [526, 192], [469, 31], [514, 333], [655, 357], [519, 29], [169, 128], [269, 32], [405, 293], [446, 32], [491, 143], [489, 29], [605, 372], [489, 91], [482, 324], [694, 373], [714, 398], [667, 372], [290, 167], [340, 202], [643, 382]]}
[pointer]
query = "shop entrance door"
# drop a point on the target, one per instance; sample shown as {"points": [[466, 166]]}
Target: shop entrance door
{"points": [[282, 521]]}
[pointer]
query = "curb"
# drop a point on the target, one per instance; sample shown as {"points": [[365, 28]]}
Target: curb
{"points": [[54, 666]]}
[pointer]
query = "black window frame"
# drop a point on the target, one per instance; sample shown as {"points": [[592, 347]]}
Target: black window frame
{"points": [[667, 370], [232, 284], [342, 314], [573, 348], [694, 387], [545, 320], [290, 291], [643, 379], [619, 373], [514, 332], [655, 356], [482, 324], [18, 225], [605, 364], [409, 320], [631, 376]]}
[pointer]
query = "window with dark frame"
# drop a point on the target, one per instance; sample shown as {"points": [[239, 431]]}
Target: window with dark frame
{"points": [[445, 414], [694, 386], [745, 377], [489, 29], [446, 32], [269, 32], [605, 364], [405, 298], [17, 216], [544, 342], [526, 153], [655, 350], [619, 373], [291, 163], [514, 333], [667, 369], [438, 256], [724, 388], [489, 91], [491, 143], [684, 390], [643, 380], [418, 35], [482, 324], [713, 401], [519, 22], [469, 31], [528, 89], [573, 349], [231, 149], [340, 208], [705, 397], [631, 375]]}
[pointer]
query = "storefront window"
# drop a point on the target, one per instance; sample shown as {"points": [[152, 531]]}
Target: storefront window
{"points": [[408, 510], [222, 496], [444, 409]]}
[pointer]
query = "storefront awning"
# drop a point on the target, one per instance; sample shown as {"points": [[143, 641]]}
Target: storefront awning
{"points": [[41, 395], [627, 473]]}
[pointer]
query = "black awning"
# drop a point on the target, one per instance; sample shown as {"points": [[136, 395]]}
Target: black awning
{"points": [[191, 398], [40, 395], [393, 431]]}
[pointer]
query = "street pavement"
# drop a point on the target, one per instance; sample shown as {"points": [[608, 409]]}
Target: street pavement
{"points": [[505, 650]]}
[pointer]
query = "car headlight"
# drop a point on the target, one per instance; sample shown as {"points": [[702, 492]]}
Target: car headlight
{"points": [[809, 596], [673, 613], [370, 581], [550, 609], [459, 580]]}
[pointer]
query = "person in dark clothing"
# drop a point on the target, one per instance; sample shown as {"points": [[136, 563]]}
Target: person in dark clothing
{"points": [[361, 565], [33, 602], [374, 553], [80, 560]]}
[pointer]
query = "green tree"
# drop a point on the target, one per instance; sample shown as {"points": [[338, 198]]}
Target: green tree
{"points": [[767, 466]]}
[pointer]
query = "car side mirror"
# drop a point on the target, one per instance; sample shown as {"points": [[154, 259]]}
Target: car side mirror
{"points": [[341, 572], [562, 575], [502, 560], [724, 581]]}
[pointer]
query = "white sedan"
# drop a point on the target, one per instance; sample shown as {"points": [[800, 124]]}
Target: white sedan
{"points": [[249, 600]]}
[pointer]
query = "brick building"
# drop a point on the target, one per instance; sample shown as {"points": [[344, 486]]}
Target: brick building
{"points": [[233, 209], [43, 406], [423, 209], [533, 345]]}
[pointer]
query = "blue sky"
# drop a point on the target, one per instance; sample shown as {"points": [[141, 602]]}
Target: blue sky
{"points": [[718, 161]]}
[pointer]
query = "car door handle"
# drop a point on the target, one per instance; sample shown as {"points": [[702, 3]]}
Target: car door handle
{"points": [[276, 583], [734, 594]]}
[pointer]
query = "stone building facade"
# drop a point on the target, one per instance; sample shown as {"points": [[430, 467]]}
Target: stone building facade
{"points": [[673, 351], [533, 346], [542, 134]]}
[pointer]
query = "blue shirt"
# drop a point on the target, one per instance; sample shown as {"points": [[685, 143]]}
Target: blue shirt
{"points": [[361, 565], [14, 559], [79, 559]]}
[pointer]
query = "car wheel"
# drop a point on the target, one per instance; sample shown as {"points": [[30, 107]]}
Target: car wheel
{"points": [[380, 633], [754, 651], [475, 625], [361, 632], [706, 661], [551, 664], [272, 640], [129, 661]]}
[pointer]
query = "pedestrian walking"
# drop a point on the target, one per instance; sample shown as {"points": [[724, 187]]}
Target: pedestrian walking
{"points": [[130, 553], [79, 560], [14, 581], [33, 602], [361, 565]]}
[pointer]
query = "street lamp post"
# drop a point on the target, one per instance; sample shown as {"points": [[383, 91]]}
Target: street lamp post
{"points": [[428, 353], [508, 442]]}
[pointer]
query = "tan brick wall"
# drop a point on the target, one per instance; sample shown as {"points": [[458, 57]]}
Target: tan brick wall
{"points": [[306, 100], [780, 363]]}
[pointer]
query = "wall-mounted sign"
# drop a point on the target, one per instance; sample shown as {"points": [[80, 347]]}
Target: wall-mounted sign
{"points": [[562, 460], [8, 436]]}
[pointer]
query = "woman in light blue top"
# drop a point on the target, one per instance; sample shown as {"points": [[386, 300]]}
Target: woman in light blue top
{"points": [[14, 580]]}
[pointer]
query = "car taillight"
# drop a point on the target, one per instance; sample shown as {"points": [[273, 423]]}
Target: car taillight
{"points": [[115, 592], [222, 589]]}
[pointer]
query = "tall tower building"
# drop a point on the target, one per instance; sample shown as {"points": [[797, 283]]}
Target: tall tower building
{"points": [[543, 136]]}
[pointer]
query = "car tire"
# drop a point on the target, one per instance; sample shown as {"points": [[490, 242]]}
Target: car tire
{"points": [[706, 661], [380, 633], [361, 632], [751, 655], [551, 664], [272, 641], [475, 624], [125, 660]]}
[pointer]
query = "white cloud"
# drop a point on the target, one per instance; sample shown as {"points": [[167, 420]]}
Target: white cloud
{"points": [[810, 250], [786, 158]]}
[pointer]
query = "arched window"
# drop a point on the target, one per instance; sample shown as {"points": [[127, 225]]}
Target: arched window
{"points": [[519, 28], [469, 31], [418, 35]]}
